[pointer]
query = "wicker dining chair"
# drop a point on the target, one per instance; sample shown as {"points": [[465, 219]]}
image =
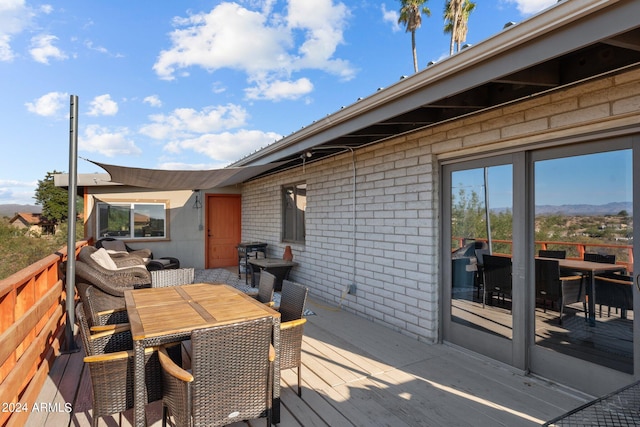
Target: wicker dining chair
{"points": [[100, 308], [110, 358], [293, 299], [265, 288], [230, 378]]}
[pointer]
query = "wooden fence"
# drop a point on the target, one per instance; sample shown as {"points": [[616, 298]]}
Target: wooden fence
{"points": [[32, 333]]}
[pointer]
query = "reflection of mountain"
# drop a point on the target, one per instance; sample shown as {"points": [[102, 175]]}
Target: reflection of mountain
{"points": [[608, 209], [580, 210]]}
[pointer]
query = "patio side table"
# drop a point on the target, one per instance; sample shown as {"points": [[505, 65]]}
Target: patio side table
{"points": [[278, 267]]}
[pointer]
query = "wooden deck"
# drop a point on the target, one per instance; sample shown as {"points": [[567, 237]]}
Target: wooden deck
{"points": [[359, 373]]}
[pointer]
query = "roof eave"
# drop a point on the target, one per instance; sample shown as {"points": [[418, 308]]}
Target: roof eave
{"points": [[536, 27]]}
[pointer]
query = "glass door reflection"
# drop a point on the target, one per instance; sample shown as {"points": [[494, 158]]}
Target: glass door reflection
{"points": [[482, 234], [583, 214]]}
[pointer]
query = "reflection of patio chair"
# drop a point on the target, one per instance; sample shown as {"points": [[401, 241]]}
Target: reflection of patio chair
{"points": [[550, 286], [601, 258], [230, 379], [614, 290], [545, 253], [497, 276]]}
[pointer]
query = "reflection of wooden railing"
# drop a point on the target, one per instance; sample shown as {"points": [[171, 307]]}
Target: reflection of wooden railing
{"points": [[32, 325], [575, 250]]}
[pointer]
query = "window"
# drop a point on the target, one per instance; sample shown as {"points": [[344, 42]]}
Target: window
{"points": [[132, 220], [294, 204]]}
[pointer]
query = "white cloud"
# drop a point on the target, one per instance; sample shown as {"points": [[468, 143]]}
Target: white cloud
{"points": [[42, 49], [279, 90], [103, 105], [209, 132], [186, 122], [529, 7], [265, 45], [390, 16], [15, 16], [19, 192], [108, 142], [49, 105], [153, 100], [225, 146]]}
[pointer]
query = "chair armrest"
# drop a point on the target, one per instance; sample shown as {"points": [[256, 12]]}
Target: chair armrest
{"points": [[612, 280], [112, 311], [292, 324], [171, 368], [117, 355], [105, 331], [113, 328], [577, 277]]}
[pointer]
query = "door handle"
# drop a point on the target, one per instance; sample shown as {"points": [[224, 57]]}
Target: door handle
{"points": [[638, 281]]}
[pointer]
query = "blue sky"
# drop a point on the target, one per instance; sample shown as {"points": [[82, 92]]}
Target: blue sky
{"points": [[592, 179], [196, 84]]}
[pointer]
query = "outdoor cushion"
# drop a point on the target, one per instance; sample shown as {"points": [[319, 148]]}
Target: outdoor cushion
{"points": [[102, 257], [114, 245]]}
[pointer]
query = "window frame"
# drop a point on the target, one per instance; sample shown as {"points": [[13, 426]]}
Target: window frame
{"points": [[131, 206], [295, 233]]}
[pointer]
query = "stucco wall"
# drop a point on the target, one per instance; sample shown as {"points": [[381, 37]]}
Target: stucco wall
{"points": [[185, 240], [396, 226]]}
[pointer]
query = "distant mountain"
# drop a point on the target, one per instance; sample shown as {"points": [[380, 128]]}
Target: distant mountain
{"points": [[583, 210], [11, 210]]}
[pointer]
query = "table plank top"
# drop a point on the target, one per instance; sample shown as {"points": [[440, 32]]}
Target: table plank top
{"points": [[581, 265], [157, 312]]}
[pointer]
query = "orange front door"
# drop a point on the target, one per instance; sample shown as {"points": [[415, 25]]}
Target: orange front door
{"points": [[223, 229]]}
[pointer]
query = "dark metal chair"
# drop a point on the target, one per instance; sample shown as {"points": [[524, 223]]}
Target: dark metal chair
{"points": [[230, 378], [552, 287], [546, 253], [615, 291], [293, 300], [601, 258], [109, 356], [496, 276]]}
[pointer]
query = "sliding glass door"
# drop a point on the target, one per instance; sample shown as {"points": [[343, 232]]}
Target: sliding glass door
{"points": [[583, 317], [538, 266], [479, 296]]}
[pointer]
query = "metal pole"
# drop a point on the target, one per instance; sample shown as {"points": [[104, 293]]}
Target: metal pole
{"points": [[71, 221]]}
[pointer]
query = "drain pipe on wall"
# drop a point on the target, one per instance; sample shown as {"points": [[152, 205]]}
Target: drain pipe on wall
{"points": [[350, 288]]}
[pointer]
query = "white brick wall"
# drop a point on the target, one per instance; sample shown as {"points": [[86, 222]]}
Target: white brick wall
{"points": [[397, 212]]}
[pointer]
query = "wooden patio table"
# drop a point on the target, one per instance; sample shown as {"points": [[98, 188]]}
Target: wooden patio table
{"points": [[591, 269], [165, 315]]}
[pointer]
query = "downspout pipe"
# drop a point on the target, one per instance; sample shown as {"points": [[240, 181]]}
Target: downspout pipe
{"points": [[353, 211]]}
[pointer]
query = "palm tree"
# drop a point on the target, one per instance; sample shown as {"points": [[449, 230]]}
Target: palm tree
{"points": [[411, 16], [456, 15]]}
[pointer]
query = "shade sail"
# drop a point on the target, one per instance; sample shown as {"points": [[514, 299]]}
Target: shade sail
{"points": [[183, 179]]}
